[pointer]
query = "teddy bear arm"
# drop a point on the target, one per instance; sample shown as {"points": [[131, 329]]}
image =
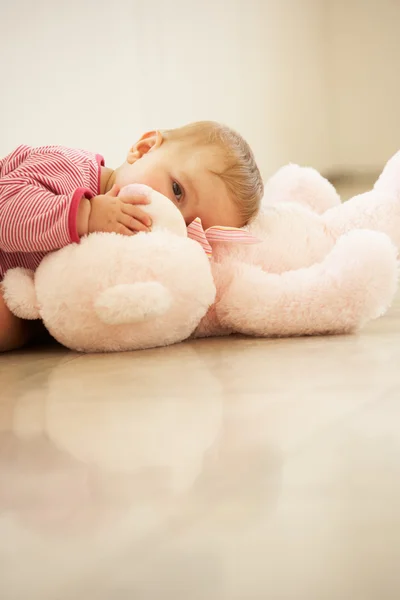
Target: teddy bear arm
{"points": [[353, 284], [376, 210]]}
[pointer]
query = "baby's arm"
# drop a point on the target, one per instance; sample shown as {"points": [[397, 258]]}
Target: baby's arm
{"points": [[33, 219]]}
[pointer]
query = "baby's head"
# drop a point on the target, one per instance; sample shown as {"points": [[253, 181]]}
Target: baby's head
{"points": [[206, 169]]}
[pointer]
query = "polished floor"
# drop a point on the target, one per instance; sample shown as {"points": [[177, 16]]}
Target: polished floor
{"points": [[226, 469]]}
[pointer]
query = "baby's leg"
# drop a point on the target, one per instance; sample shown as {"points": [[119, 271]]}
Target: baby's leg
{"points": [[14, 332]]}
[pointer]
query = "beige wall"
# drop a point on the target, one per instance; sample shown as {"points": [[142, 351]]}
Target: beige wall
{"points": [[308, 81], [96, 74], [364, 68]]}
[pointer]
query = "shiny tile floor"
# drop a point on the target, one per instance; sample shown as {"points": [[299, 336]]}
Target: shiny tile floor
{"points": [[226, 469]]}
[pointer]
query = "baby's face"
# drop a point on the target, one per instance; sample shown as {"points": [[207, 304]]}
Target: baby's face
{"points": [[184, 174]]}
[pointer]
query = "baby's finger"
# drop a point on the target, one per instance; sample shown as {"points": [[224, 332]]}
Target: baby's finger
{"points": [[136, 213], [124, 230], [135, 199], [132, 223]]}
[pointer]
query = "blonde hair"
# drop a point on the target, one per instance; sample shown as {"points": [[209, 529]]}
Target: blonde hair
{"points": [[240, 174]]}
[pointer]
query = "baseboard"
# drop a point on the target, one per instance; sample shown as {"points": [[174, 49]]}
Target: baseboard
{"points": [[351, 177]]}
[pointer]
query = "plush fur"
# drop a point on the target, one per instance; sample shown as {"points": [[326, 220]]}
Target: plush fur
{"points": [[320, 267], [302, 184]]}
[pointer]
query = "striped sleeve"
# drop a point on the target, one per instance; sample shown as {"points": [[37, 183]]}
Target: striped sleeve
{"points": [[33, 219], [217, 234], [196, 232], [39, 201]]}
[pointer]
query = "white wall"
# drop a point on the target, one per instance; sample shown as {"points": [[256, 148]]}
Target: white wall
{"points": [[96, 74], [364, 70]]}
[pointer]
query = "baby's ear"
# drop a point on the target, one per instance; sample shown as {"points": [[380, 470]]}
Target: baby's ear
{"points": [[148, 142]]}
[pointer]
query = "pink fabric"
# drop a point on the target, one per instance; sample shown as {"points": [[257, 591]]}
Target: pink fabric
{"points": [[218, 234], [40, 192]]}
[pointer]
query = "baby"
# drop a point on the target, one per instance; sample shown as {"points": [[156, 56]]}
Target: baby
{"points": [[52, 196]]}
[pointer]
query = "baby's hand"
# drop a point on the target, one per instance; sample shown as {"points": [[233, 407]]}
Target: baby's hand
{"points": [[109, 213]]}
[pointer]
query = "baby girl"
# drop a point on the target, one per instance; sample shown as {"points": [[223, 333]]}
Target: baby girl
{"points": [[51, 196]]}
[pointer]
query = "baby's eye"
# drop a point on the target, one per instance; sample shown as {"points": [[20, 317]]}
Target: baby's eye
{"points": [[178, 193]]}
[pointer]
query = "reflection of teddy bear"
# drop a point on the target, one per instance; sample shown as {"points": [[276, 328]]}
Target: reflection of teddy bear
{"points": [[95, 450], [80, 479], [310, 273], [166, 425]]}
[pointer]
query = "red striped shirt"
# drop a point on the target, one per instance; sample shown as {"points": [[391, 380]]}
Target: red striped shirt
{"points": [[40, 191]]}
